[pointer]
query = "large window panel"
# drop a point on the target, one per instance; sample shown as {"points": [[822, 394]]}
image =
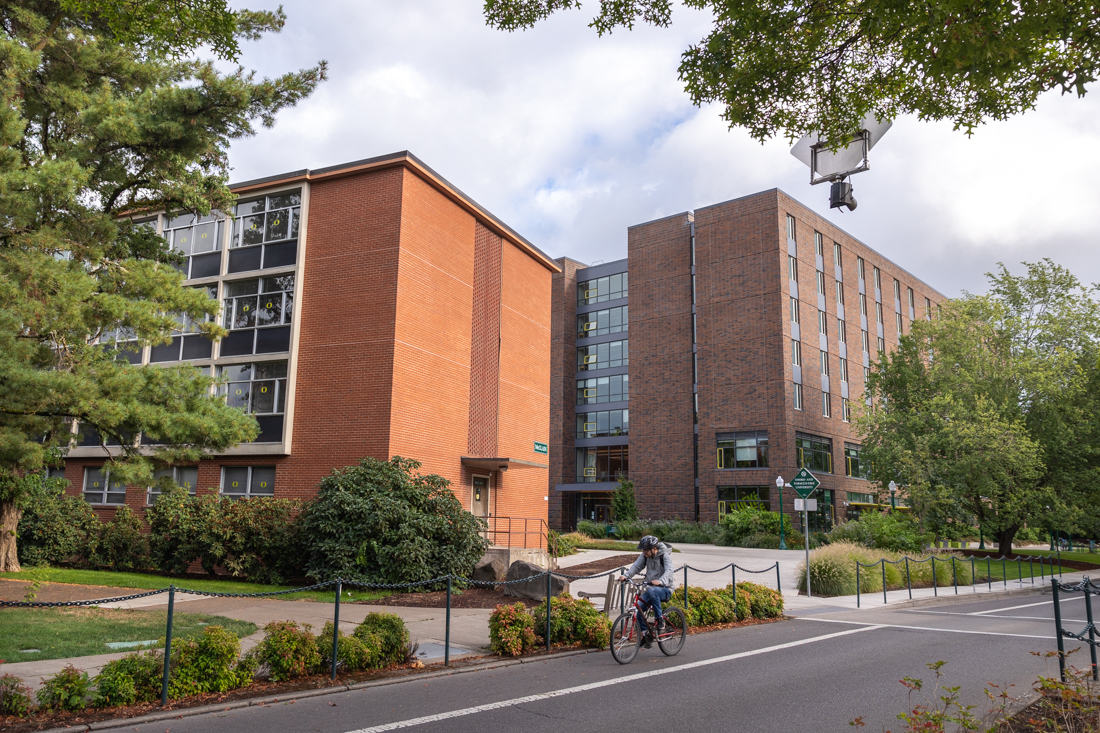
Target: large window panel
{"points": [[603, 356], [258, 314], [600, 290], [603, 424], [186, 341], [603, 389], [259, 389], [600, 323], [100, 488], [603, 463], [731, 498], [244, 482], [265, 232], [199, 239], [186, 477], [743, 450], [814, 452]]}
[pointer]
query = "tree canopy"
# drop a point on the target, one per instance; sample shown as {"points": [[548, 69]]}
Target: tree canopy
{"points": [[988, 410], [109, 114], [801, 67]]}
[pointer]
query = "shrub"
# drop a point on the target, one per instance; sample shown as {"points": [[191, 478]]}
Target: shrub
{"points": [[573, 620], [381, 522], [392, 636], [560, 545], [353, 653], [133, 679], [739, 524], [623, 506], [55, 528], [896, 531], [511, 630], [833, 570], [670, 530], [764, 602], [760, 540], [15, 697], [121, 543], [704, 607], [207, 664], [181, 531], [593, 530], [287, 651], [66, 690]]}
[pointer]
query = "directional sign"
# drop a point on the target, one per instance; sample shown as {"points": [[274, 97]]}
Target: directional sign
{"points": [[805, 483], [541, 448]]}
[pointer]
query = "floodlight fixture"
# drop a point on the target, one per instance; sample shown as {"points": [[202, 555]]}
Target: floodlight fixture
{"points": [[828, 166]]}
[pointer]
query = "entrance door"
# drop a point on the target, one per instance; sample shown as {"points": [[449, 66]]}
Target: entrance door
{"points": [[479, 507]]}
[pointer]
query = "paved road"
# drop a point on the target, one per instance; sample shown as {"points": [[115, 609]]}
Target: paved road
{"points": [[823, 668]]}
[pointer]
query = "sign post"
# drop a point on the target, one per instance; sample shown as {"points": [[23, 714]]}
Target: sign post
{"points": [[805, 483]]}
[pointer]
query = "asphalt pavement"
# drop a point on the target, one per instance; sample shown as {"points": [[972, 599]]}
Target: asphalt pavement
{"points": [[821, 669]]}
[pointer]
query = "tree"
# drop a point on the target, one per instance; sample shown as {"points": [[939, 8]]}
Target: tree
{"points": [[988, 410], [107, 115], [799, 67], [623, 506]]}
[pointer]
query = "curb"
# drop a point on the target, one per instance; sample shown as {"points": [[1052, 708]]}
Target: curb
{"points": [[263, 700]]}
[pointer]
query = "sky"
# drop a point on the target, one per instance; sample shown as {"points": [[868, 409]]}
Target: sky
{"points": [[570, 138]]}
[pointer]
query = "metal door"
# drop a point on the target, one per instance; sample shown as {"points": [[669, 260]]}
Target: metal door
{"points": [[479, 506]]}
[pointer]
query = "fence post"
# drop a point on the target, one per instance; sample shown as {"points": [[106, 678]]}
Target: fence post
{"points": [[685, 587], [1059, 565], [935, 583], [778, 586], [973, 575], [548, 578], [167, 645], [336, 626], [883, 562], [857, 583], [1092, 629], [988, 572], [447, 632], [734, 567], [908, 582], [1004, 571], [954, 575], [1019, 571], [1058, 628], [1031, 568]]}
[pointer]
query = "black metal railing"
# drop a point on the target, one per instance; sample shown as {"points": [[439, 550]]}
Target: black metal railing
{"points": [[1087, 634]]}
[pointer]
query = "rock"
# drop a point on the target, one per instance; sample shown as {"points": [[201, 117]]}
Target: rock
{"points": [[535, 588], [490, 570]]}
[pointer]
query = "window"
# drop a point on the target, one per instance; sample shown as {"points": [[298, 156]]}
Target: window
{"points": [[821, 282], [898, 317], [825, 363], [881, 344], [790, 227], [844, 370], [187, 343], [602, 289], [861, 269], [912, 302], [796, 352], [866, 339], [878, 311], [603, 463], [259, 389], [798, 396], [839, 292], [897, 290], [856, 497], [244, 482], [603, 424], [184, 476], [743, 450], [199, 239], [928, 309], [56, 472], [731, 498], [814, 452], [822, 323], [258, 315], [265, 232], [792, 268], [841, 331], [866, 374], [818, 245], [878, 278], [826, 404], [845, 410], [794, 310], [603, 389], [100, 488], [836, 254], [862, 304], [600, 323], [852, 466], [124, 341], [603, 356]]}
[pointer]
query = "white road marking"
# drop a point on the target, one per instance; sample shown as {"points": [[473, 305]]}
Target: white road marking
{"points": [[1026, 605], [597, 685], [921, 628], [1031, 618]]}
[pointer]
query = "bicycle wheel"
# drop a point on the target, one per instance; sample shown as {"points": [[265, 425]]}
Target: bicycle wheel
{"points": [[671, 640], [625, 638]]}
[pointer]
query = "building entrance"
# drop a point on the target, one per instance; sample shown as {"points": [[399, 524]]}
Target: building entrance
{"points": [[479, 506], [595, 506]]}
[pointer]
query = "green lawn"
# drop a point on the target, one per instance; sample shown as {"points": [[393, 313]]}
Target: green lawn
{"points": [[153, 582], [79, 632], [1093, 558], [993, 569], [621, 545]]}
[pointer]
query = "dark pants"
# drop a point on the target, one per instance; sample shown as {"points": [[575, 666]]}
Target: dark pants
{"points": [[653, 596]]}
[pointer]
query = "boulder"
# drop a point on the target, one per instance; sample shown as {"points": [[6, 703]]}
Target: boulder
{"points": [[490, 570], [535, 588]]}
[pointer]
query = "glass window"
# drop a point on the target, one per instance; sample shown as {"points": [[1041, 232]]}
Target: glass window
{"points": [[259, 389], [814, 452], [824, 363], [852, 466], [821, 282], [792, 268], [928, 309], [912, 301], [878, 278], [796, 352], [599, 323], [603, 463], [845, 410], [861, 269], [878, 311], [790, 227], [798, 396], [266, 301], [844, 370], [862, 304], [100, 488], [839, 292], [858, 497], [897, 317], [184, 476], [794, 310], [243, 482], [743, 450], [822, 323], [897, 289], [600, 290], [841, 331], [836, 254], [193, 236], [265, 219], [742, 497], [603, 389], [826, 404], [603, 356], [818, 245], [603, 424], [866, 340], [881, 344]]}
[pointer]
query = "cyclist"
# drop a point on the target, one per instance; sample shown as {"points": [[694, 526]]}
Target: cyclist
{"points": [[656, 558]]}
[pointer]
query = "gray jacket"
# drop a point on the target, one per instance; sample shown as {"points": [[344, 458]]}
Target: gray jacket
{"points": [[658, 567]]}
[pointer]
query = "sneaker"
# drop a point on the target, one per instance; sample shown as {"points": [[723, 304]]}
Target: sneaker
{"points": [[647, 640], [661, 627]]}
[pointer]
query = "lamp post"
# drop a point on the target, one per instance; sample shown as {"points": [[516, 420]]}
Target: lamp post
{"points": [[893, 493], [782, 534]]}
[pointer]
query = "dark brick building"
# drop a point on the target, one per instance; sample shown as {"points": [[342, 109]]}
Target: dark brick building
{"points": [[752, 324]]}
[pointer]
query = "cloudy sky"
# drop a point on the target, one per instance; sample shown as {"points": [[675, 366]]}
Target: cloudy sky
{"points": [[570, 139]]}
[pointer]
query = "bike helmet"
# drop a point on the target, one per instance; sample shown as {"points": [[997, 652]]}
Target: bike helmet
{"points": [[647, 543]]}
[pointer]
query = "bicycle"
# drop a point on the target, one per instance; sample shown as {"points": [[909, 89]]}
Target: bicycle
{"points": [[627, 632]]}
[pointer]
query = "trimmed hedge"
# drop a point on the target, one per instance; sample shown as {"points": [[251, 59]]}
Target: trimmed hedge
{"points": [[707, 607], [571, 621]]}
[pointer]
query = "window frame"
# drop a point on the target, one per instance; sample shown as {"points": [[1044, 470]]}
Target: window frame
{"points": [[797, 396], [105, 492], [728, 454], [819, 446], [248, 493], [151, 492]]}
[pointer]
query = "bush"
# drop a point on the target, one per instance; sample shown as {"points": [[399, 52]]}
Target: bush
{"points": [[764, 602], [896, 531], [133, 679], [560, 545], [573, 620], [381, 522], [392, 636], [353, 653], [739, 524], [181, 531], [15, 697], [511, 630], [833, 570], [66, 690], [670, 531], [55, 528], [287, 651], [207, 664], [121, 543], [594, 531], [704, 607], [623, 506]]}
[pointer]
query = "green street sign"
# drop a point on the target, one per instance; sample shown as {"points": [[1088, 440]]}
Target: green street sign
{"points": [[542, 448], [805, 483]]}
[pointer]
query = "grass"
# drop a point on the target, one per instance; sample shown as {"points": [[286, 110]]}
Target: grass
{"points": [[590, 544], [1088, 557], [80, 632], [146, 581]]}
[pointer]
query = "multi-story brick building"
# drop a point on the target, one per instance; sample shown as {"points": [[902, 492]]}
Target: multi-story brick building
{"points": [[373, 310], [752, 326]]}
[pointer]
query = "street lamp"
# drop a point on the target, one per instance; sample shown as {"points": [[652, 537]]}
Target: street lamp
{"points": [[893, 493], [782, 534]]}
